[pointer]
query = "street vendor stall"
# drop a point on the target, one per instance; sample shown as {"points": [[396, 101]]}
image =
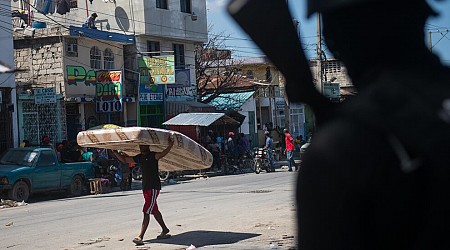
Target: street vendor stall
{"points": [[197, 125]]}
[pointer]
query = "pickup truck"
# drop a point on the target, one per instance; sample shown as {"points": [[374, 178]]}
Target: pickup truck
{"points": [[24, 171]]}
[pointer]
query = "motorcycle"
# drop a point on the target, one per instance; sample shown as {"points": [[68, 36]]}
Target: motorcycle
{"points": [[116, 172], [163, 175], [262, 161]]}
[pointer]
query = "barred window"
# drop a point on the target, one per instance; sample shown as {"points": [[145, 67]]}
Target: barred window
{"points": [[161, 4], [185, 6], [108, 59], [178, 50], [153, 46], [96, 58]]}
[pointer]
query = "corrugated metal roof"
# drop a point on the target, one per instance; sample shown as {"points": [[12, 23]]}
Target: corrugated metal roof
{"points": [[200, 119], [230, 101]]}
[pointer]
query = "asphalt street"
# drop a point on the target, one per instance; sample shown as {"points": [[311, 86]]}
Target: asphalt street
{"points": [[245, 211]]}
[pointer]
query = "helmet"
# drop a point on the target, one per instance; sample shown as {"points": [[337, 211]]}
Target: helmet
{"points": [[230, 133], [327, 5]]}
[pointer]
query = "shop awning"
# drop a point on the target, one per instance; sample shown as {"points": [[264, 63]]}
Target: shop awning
{"points": [[201, 119], [230, 101]]}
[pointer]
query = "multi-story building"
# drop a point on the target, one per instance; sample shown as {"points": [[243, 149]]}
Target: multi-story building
{"points": [[267, 108], [66, 57], [8, 109]]}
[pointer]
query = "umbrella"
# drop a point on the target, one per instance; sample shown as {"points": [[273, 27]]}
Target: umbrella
{"points": [[105, 126]]}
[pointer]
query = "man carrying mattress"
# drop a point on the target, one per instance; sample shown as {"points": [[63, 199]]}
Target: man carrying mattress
{"points": [[151, 186]]}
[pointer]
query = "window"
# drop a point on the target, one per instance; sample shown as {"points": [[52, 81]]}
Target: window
{"points": [[96, 58], [108, 59], [178, 50], [161, 4], [249, 74], [73, 4], [186, 6], [46, 159], [153, 46], [72, 47]]}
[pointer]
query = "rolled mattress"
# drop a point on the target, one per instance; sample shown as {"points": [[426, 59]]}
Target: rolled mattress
{"points": [[186, 154]]}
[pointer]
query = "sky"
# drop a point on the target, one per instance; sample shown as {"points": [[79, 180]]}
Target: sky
{"points": [[242, 46]]}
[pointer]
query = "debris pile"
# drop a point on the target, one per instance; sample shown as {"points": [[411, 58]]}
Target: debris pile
{"points": [[11, 203]]}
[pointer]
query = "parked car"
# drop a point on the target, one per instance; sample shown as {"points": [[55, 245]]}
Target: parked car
{"points": [[24, 171]]}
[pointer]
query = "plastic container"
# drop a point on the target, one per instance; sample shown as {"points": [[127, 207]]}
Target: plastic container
{"points": [[39, 25]]}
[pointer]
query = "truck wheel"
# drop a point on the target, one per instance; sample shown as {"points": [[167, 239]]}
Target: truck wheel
{"points": [[164, 175], [76, 186], [19, 192], [137, 173]]}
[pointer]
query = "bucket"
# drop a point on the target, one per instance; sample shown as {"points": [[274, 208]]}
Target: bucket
{"points": [[39, 25]]}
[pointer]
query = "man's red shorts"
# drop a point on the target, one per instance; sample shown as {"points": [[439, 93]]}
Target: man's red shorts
{"points": [[150, 204]]}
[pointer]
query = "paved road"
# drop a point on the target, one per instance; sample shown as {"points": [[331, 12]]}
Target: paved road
{"points": [[246, 211]]}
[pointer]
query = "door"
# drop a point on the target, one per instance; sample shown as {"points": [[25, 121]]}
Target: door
{"points": [[46, 172]]}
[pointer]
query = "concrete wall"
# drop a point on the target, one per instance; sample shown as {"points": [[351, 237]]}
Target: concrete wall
{"points": [[249, 105], [81, 87], [42, 59], [7, 81]]}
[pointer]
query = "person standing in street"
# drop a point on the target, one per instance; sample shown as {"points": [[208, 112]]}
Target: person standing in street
{"points": [[151, 186], [289, 142], [269, 147]]}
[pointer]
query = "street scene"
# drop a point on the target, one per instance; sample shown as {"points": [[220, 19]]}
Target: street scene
{"points": [[225, 124], [245, 211]]}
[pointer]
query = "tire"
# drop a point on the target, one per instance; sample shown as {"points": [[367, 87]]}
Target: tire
{"points": [[257, 167], [164, 175], [19, 192], [137, 173], [124, 185], [76, 186]]}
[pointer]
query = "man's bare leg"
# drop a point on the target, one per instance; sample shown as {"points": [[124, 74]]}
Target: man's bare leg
{"points": [[159, 218]]}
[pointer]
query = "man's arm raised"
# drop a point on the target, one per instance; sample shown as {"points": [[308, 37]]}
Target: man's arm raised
{"points": [[160, 155]]}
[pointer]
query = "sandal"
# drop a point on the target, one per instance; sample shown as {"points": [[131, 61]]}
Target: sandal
{"points": [[163, 236], [138, 241]]}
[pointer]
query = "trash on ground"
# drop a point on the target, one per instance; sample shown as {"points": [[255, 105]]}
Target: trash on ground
{"points": [[11, 203], [191, 247]]}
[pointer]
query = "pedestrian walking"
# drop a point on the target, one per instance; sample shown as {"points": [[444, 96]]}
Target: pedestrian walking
{"points": [[151, 186], [289, 151]]}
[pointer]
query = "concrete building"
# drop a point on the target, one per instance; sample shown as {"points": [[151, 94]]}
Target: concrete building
{"points": [[57, 93], [62, 55], [8, 108], [267, 106]]}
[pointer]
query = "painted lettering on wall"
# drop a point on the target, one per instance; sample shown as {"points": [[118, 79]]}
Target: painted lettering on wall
{"points": [[108, 91], [157, 69], [78, 75]]}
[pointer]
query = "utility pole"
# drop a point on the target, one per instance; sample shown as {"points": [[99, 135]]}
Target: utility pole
{"points": [[430, 43], [319, 53]]}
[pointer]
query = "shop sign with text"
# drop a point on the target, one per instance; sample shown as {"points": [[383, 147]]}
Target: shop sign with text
{"points": [[108, 91], [157, 69], [44, 95]]}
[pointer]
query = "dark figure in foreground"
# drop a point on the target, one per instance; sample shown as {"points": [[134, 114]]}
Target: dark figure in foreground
{"points": [[151, 186], [377, 175]]}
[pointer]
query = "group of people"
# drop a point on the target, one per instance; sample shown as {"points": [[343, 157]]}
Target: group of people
{"points": [[290, 147], [233, 147]]}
